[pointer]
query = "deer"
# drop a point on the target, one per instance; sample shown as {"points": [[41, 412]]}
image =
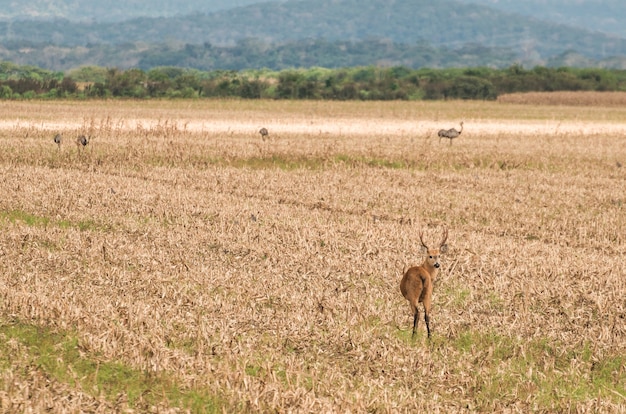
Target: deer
{"points": [[417, 283]]}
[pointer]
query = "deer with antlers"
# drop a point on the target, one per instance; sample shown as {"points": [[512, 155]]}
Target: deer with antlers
{"points": [[417, 284]]}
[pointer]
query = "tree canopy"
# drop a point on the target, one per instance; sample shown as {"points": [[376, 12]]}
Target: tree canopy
{"points": [[358, 83]]}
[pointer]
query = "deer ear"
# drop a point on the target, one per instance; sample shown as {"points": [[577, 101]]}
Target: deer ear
{"points": [[443, 248], [424, 249]]}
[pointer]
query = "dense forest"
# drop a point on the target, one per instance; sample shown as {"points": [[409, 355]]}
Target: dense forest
{"points": [[253, 53], [359, 83]]}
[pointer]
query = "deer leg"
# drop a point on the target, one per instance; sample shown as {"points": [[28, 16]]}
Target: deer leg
{"points": [[427, 305], [415, 320]]}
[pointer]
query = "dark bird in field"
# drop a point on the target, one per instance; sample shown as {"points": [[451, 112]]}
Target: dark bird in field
{"points": [[450, 133], [82, 140], [57, 140], [264, 133]]}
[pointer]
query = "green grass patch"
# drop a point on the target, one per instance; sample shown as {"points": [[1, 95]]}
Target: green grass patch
{"points": [[288, 162], [285, 163], [406, 334], [460, 296], [83, 225], [32, 220], [547, 371], [58, 355], [372, 162], [253, 370]]}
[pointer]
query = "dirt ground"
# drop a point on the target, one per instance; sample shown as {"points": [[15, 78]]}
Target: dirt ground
{"points": [[264, 275], [318, 118]]}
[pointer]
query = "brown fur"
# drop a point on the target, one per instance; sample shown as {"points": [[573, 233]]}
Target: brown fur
{"points": [[417, 284]]}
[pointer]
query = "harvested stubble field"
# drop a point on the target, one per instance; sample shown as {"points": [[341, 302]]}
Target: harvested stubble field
{"points": [[178, 262]]}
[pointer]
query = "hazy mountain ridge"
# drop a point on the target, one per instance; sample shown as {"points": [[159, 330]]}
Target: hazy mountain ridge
{"points": [[110, 10], [607, 16], [446, 25]]}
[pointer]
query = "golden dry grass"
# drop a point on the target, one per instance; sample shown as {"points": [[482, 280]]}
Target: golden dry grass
{"points": [[266, 274], [588, 98]]}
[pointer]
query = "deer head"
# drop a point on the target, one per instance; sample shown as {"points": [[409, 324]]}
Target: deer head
{"points": [[432, 255]]}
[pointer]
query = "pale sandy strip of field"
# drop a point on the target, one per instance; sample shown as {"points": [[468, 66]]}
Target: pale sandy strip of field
{"points": [[347, 126]]}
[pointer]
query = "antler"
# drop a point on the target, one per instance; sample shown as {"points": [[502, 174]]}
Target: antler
{"points": [[422, 240], [445, 237]]}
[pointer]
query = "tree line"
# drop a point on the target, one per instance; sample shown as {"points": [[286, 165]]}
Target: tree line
{"points": [[355, 83]]}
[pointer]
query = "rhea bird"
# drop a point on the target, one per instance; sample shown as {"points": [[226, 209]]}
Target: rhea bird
{"points": [[82, 140], [57, 140], [264, 133], [450, 133]]}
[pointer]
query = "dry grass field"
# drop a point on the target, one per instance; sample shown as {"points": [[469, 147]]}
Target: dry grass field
{"points": [[587, 98], [178, 263]]}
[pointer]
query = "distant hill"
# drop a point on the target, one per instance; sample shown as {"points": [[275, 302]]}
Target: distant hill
{"points": [[445, 26], [443, 23], [606, 16], [110, 10]]}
